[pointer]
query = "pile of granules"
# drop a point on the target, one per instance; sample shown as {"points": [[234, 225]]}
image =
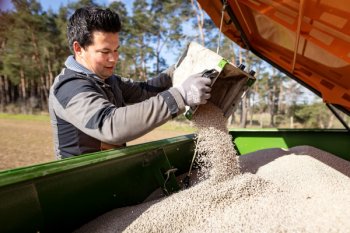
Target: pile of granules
{"points": [[302, 189]]}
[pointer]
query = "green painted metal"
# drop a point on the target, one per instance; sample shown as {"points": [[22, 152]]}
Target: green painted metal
{"points": [[62, 195], [335, 141], [222, 63], [31, 172]]}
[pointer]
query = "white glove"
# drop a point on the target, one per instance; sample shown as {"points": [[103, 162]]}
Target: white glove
{"points": [[195, 90]]}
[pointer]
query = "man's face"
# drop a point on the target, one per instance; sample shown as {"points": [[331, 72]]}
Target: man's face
{"points": [[102, 56]]}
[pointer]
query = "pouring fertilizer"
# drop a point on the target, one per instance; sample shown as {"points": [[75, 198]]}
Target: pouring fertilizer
{"points": [[229, 84]]}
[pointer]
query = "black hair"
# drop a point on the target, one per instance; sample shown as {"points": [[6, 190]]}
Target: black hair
{"points": [[86, 20]]}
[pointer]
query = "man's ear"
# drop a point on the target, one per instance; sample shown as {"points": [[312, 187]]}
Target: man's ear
{"points": [[77, 48]]}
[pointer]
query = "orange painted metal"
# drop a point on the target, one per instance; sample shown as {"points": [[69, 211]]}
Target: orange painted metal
{"points": [[309, 39]]}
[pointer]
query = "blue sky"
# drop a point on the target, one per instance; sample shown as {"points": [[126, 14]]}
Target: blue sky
{"points": [[55, 4]]}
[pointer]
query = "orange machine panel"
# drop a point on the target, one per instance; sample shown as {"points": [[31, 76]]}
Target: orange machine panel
{"points": [[308, 39]]}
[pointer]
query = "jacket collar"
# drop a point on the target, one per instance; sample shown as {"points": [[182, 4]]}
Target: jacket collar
{"points": [[72, 64]]}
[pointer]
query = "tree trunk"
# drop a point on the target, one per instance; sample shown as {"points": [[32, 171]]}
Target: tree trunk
{"points": [[261, 120], [200, 19], [44, 93], [51, 76], [244, 113], [138, 70], [272, 106], [157, 63], [330, 122], [142, 69], [23, 94], [14, 92], [2, 94], [7, 90], [158, 55], [250, 111], [281, 106], [320, 122], [44, 84], [233, 119]]}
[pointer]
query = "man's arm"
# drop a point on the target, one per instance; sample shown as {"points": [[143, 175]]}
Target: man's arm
{"points": [[134, 92], [90, 112]]}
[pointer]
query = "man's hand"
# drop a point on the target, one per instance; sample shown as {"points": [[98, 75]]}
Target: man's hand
{"points": [[195, 90]]}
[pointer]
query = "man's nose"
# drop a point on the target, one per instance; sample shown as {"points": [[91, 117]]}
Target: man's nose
{"points": [[113, 57]]}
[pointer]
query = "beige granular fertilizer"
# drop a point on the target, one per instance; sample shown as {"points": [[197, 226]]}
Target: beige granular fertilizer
{"points": [[215, 152], [302, 189]]}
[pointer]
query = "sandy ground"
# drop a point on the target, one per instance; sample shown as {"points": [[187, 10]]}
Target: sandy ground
{"points": [[24, 143]]}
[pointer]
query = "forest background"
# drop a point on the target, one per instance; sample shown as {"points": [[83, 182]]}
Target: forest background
{"points": [[33, 48]]}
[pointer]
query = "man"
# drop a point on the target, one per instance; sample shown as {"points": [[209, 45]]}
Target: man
{"points": [[92, 109]]}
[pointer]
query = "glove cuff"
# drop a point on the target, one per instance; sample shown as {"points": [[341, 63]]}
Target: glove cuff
{"points": [[182, 92], [174, 100]]}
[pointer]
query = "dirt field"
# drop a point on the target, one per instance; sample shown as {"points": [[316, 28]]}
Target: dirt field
{"points": [[26, 142]]}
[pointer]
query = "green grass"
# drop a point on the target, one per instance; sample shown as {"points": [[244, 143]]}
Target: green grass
{"points": [[24, 117], [170, 125]]}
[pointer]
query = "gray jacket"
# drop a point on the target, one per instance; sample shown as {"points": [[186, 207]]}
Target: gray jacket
{"points": [[87, 112]]}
